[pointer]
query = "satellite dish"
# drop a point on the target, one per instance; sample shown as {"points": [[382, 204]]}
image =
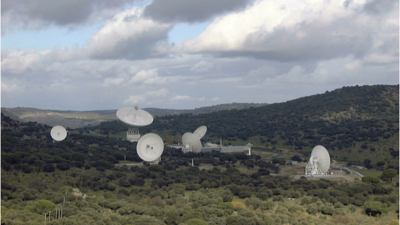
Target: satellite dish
{"points": [[150, 147], [196, 146], [186, 138], [58, 133], [191, 141], [319, 162], [200, 132], [134, 117]]}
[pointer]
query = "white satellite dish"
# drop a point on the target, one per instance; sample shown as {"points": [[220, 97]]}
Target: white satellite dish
{"points": [[196, 146], [150, 147], [134, 117], [191, 141], [186, 138], [58, 133], [319, 162], [200, 132]]}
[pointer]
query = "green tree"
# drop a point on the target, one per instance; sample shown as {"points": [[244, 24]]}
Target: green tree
{"points": [[44, 206], [388, 175]]}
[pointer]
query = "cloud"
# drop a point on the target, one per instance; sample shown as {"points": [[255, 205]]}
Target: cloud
{"points": [[134, 99], [129, 36], [145, 77], [201, 66], [296, 30], [113, 81], [191, 10], [38, 13], [181, 98], [8, 87], [158, 93]]}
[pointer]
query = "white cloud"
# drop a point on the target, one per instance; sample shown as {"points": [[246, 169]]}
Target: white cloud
{"points": [[295, 30], [158, 93], [215, 99], [181, 97], [113, 81], [20, 60], [134, 99], [128, 35], [8, 87], [145, 77], [201, 66]]}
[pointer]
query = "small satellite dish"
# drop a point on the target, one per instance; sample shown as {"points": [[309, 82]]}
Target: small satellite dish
{"points": [[58, 133], [134, 117], [319, 162], [150, 147], [200, 132]]}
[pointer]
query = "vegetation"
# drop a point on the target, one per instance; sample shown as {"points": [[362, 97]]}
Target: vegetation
{"points": [[93, 178]]}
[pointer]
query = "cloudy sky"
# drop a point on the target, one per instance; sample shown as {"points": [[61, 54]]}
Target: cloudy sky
{"points": [[183, 54]]}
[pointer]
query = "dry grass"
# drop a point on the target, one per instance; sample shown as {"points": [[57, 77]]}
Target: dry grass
{"points": [[238, 204]]}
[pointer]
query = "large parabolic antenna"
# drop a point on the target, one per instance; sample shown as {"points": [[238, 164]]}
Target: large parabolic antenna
{"points": [[135, 118], [200, 132], [191, 141], [150, 147], [58, 133], [319, 162]]}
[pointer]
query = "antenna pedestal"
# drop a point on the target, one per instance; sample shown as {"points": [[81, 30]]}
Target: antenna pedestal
{"points": [[133, 135]]}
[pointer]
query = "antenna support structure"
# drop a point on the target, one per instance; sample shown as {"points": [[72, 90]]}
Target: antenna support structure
{"points": [[133, 135], [319, 162]]}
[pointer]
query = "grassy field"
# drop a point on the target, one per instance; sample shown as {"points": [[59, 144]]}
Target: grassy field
{"points": [[371, 172]]}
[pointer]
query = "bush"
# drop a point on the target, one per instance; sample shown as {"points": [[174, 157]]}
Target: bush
{"points": [[196, 221], [63, 166], [375, 208]]}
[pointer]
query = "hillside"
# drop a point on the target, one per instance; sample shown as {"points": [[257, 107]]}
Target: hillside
{"points": [[87, 178], [353, 123], [78, 119]]}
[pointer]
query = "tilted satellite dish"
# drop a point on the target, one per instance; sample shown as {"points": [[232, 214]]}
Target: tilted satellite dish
{"points": [[191, 141], [319, 162], [150, 147], [200, 132], [58, 133], [196, 146], [134, 117]]}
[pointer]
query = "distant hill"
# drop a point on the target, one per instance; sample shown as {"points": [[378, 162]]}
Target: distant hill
{"points": [[353, 123], [78, 119]]}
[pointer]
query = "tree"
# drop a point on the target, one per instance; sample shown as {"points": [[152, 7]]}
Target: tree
{"points": [[49, 168], [43, 206], [387, 175]]}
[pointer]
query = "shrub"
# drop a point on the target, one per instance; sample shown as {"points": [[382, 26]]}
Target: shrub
{"points": [[196, 221], [375, 208]]}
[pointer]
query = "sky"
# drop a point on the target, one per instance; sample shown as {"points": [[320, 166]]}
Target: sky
{"points": [[101, 54]]}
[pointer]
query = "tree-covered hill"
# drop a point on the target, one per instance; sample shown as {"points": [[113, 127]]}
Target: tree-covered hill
{"points": [[79, 177], [353, 123]]}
